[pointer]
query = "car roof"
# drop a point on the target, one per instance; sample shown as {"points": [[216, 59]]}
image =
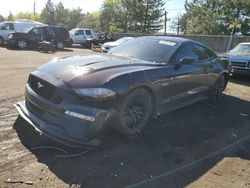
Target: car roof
{"points": [[244, 43], [170, 38], [81, 28]]}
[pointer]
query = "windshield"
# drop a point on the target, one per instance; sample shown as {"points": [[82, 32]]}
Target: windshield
{"points": [[154, 50], [243, 49], [27, 29]]}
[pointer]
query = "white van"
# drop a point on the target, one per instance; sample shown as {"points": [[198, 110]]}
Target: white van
{"points": [[80, 35], [20, 25]]}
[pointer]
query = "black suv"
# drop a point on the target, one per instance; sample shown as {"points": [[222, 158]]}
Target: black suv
{"points": [[34, 35]]}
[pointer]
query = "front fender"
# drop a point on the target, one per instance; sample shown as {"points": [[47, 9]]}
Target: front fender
{"points": [[124, 83]]}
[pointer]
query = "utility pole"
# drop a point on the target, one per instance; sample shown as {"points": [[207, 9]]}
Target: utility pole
{"points": [[34, 8], [235, 25], [165, 19], [178, 25], [165, 22]]}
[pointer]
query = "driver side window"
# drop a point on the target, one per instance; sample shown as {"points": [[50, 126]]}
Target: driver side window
{"points": [[191, 51], [81, 32], [186, 51], [37, 31]]}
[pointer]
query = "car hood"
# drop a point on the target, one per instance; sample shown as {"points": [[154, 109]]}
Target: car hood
{"points": [[238, 57], [93, 70], [111, 44]]}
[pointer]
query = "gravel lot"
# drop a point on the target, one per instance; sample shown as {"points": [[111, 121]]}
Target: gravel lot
{"points": [[201, 145]]}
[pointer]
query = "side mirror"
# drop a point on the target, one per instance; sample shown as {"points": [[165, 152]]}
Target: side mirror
{"points": [[186, 60]]}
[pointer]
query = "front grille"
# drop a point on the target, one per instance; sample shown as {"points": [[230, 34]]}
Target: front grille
{"points": [[240, 64], [35, 109], [44, 89]]}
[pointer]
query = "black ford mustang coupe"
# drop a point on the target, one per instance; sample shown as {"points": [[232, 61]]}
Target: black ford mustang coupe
{"points": [[73, 99]]}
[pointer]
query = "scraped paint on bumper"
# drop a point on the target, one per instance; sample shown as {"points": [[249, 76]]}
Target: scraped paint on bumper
{"points": [[70, 131]]}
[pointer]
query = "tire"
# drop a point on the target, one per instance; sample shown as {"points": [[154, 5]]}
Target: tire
{"points": [[133, 112], [217, 92], [1, 41], [60, 45], [22, 44]]}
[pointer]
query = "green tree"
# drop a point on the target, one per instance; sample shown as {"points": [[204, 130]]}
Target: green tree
{"points": [[152, 15], [61, 14], [132, 15], [215, 16], [236, 15], [28, 15], [73, 18], [91, 20], [48, 13], [1, 18], [107, 16], [10, 17]]}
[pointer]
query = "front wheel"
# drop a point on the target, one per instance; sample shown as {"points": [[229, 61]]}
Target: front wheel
{"points": [[22, 44], [133, 112], [217, 92]]}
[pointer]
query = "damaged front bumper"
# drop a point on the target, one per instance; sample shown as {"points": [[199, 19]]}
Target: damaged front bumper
{"points": [[66, 128]]}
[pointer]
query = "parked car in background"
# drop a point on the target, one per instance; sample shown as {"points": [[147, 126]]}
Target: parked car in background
{"points": [[239, 57], [81, 35], [73, 99], [33, 36], [108, 45], [15, 26]]}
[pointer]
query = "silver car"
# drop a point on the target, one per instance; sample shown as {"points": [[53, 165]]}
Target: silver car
{"points": [[108, 45], [80, 35]]}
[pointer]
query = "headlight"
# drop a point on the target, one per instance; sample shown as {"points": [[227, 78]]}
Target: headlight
{"points": [[104, 47], [10, 36], [96, 93]]}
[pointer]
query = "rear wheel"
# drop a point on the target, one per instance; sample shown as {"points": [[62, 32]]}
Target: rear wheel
{"points": [[60, 45], [133, 112], [22, 44], [217, 92]]}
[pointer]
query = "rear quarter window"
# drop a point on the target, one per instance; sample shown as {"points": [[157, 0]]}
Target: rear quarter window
{"points": [[61, 31], [7, 26]]}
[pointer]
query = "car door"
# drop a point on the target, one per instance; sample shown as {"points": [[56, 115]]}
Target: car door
{"points": [[79, 36], [36, 35], [88, 33], [209, 61], [49, 33], [185, 83]]}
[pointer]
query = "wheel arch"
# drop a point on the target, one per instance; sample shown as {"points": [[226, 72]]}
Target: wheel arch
{"points": [[151, 93], [226, 76]]}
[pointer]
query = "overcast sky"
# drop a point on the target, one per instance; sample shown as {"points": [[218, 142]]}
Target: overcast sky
{"points": [[174, 7]]}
